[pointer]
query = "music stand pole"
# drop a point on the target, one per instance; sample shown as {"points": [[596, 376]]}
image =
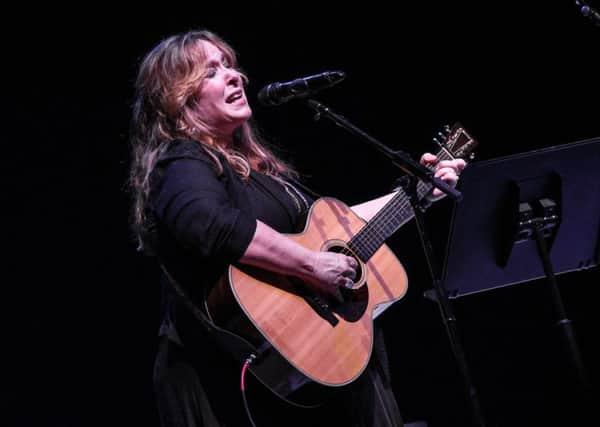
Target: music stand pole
{"points": [[441, 298], [540, 226]]}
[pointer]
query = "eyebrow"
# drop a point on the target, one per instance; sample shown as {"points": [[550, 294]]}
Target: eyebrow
{"points": [[223, 58]]}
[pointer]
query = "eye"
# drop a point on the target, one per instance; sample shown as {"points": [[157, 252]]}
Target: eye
{"points": [[211, 72], [226, 63]]}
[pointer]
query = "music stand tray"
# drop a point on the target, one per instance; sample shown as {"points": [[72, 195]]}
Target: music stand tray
{"points": [[486, 249]]}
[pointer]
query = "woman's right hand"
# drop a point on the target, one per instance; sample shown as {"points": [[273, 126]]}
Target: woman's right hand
{"points": [[330, 271], [324, 272]]}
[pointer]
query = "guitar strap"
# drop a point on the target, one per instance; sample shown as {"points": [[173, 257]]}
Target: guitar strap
{"points": [[187, 301], [234, 344]]}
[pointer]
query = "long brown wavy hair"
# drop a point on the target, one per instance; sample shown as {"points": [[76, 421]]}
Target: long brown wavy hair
{"points": [[166, 91]]}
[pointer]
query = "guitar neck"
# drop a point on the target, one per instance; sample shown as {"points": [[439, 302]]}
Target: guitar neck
{"points": [[397, 212]]}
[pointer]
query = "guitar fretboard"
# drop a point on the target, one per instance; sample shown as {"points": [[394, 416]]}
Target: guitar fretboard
{"points": [[386, 222], [396, 212]]}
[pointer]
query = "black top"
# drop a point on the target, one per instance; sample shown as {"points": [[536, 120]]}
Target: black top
{"points": [[205, 221]]}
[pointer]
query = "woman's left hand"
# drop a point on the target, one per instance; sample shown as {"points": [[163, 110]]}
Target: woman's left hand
{"points": [[446, 170]]}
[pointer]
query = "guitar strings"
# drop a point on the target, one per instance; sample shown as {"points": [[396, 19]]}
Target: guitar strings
{"points": [[366, 246], [388, 216], [385, 221]]}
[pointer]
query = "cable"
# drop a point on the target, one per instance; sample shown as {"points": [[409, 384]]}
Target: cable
{"points": [[247, 363]]}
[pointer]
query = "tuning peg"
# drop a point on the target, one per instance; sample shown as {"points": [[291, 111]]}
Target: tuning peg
{"points": [[438, 143]]}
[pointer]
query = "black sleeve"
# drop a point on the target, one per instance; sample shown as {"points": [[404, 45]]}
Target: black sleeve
{"points": [[193, 204]]}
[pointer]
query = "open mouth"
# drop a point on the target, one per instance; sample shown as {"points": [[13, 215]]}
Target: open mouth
{"points": [[233, 97]]}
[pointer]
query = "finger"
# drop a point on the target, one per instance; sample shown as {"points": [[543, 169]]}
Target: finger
{"points": [[449, 177], [344, 281], [445, 172], [448, 169], [352, 263], [436, 194], [351, 274], [457, 164], [428, 158]]}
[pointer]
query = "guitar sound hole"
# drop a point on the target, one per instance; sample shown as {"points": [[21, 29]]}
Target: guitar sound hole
{"points": [[355, 300]]}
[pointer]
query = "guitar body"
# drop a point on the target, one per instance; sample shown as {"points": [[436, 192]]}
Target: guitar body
{"points": [[304, 341]]}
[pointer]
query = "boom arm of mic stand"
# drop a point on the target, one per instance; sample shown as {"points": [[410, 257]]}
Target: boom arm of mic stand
{"points": [[398, 157]]}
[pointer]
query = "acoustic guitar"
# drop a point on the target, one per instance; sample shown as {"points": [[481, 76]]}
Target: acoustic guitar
{"points": [[307, 345]]}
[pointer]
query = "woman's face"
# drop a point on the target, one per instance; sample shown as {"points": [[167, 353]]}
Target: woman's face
{"points": [[222, 103]]}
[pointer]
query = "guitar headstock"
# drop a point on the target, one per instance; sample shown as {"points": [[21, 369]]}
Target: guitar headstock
{"points": [[455, 142]]}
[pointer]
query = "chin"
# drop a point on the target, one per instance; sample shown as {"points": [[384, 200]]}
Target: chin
{"points": [[243, 118]]}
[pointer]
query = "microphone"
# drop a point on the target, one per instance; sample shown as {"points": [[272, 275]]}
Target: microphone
{"points": [[278, 93], [589, 12]]}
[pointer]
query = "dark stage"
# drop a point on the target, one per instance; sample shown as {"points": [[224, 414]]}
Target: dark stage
{"points": [[83, 306]]}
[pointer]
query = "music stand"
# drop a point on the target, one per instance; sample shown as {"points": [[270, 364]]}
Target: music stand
{"points": [[524, 217]]}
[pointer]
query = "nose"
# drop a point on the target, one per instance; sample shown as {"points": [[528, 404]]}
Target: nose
{"points": [[232, 76]]}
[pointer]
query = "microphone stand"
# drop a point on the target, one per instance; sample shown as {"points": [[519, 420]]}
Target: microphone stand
{"points": [[398, 157], [417, 171]]}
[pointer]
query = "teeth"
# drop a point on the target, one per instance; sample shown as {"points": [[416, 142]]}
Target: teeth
{"points": [[235, 97]]}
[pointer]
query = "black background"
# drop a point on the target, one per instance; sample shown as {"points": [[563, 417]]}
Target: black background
{"points": [[82, 305]]}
